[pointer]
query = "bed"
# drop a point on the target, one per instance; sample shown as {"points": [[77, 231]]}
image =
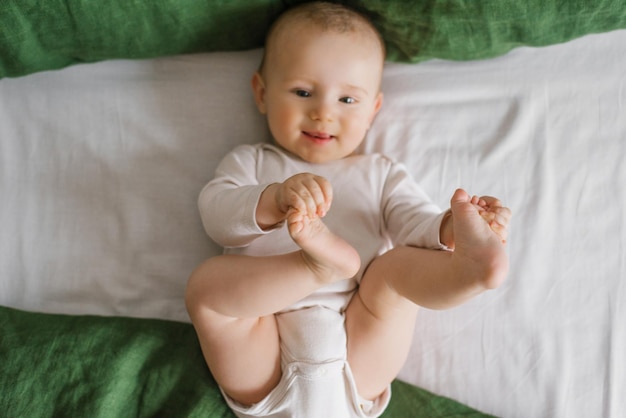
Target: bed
{"points": [[103, 154]]}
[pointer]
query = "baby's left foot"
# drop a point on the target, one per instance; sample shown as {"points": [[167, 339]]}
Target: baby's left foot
{"points": [[327, 255], [479, 249]]}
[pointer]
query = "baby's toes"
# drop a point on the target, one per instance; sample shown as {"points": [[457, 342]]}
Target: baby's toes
{"points": [[295, 223]]}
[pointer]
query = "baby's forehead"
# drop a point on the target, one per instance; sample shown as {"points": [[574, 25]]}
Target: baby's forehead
{"points": [[300, 32]]}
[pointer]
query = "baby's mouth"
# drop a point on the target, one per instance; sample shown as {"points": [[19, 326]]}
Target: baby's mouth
{"points": [[318, 136]]}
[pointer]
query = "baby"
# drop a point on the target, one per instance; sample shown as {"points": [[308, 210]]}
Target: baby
{"points": [[328, 254]]}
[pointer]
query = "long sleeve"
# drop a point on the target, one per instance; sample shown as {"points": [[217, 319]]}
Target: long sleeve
{"points": [[228, 203], [411, 218]]}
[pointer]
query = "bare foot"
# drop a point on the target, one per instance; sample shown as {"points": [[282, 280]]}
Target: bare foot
{"points": [[328, 256], [479, 250]]}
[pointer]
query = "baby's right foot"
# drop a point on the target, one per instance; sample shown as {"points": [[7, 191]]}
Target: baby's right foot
{"points": [[328, 256], [479, 250]]}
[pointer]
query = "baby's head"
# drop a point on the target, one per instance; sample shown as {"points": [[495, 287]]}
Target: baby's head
{"points": [[319, 82], [321, 17]]}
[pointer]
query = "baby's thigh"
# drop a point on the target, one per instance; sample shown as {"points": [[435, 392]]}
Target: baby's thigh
{"points": [[378, 341], [242, 354]]}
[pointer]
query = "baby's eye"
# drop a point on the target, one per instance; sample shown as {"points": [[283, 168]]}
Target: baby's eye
{"points": [[348, 100], [302, 93]]}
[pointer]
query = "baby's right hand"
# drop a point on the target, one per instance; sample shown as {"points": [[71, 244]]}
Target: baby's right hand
{"points": [[496, 215], [306, 193]]}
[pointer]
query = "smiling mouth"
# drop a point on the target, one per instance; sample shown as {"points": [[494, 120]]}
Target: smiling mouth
{"points": [[318, 136]]}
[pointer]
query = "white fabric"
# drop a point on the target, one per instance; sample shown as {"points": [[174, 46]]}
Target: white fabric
{"points": [[101, 166], [317, 380], [376, 204]]}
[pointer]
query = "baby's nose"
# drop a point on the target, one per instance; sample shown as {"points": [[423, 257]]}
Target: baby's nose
{"points": [[322, 112]]}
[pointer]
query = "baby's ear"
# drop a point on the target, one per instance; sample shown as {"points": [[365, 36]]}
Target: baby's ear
{"points": [[258, 88], [378, 103]]}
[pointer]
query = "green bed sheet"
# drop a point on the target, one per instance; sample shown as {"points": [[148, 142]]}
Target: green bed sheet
{"points": [[91, 366], [40, 35]]}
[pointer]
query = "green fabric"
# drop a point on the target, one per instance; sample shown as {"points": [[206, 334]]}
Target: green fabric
{"points": [[477, 29], [90, 366], [38, 35]]}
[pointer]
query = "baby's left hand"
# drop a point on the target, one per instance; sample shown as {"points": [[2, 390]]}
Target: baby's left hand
{"points": [[496, 215]]}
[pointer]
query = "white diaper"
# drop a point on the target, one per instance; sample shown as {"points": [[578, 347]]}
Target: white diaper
{"points": [[317, 380]]}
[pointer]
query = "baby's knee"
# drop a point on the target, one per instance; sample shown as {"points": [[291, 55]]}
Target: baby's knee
{"points": [[199, 285], [204, 317]]}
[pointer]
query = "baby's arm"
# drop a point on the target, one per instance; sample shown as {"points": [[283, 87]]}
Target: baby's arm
{"points": [[490, 209], [305, 193]]}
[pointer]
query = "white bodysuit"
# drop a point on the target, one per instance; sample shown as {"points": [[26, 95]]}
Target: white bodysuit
{"points": [[376, 206]]}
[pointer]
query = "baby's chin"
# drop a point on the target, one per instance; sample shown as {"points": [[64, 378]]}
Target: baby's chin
{"points": [[316, 149]]}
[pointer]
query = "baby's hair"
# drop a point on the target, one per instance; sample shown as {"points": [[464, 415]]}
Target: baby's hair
{"points": [[326, 16]]}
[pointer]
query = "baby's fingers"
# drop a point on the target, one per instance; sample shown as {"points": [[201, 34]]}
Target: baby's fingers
{"points": [[490, 202], [501, 230], [497, 223], [310, 199], [310, 194], [325, 195], [501, 214], [296, 221], [300, 202]]}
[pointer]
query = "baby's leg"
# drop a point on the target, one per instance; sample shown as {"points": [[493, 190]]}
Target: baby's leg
{"points": [[231, 300], [328, 256], [380, 319], [243, 354], [249, 287]]}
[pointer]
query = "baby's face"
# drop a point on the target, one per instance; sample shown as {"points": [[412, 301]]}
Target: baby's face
{"points": [[320, 92]]}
